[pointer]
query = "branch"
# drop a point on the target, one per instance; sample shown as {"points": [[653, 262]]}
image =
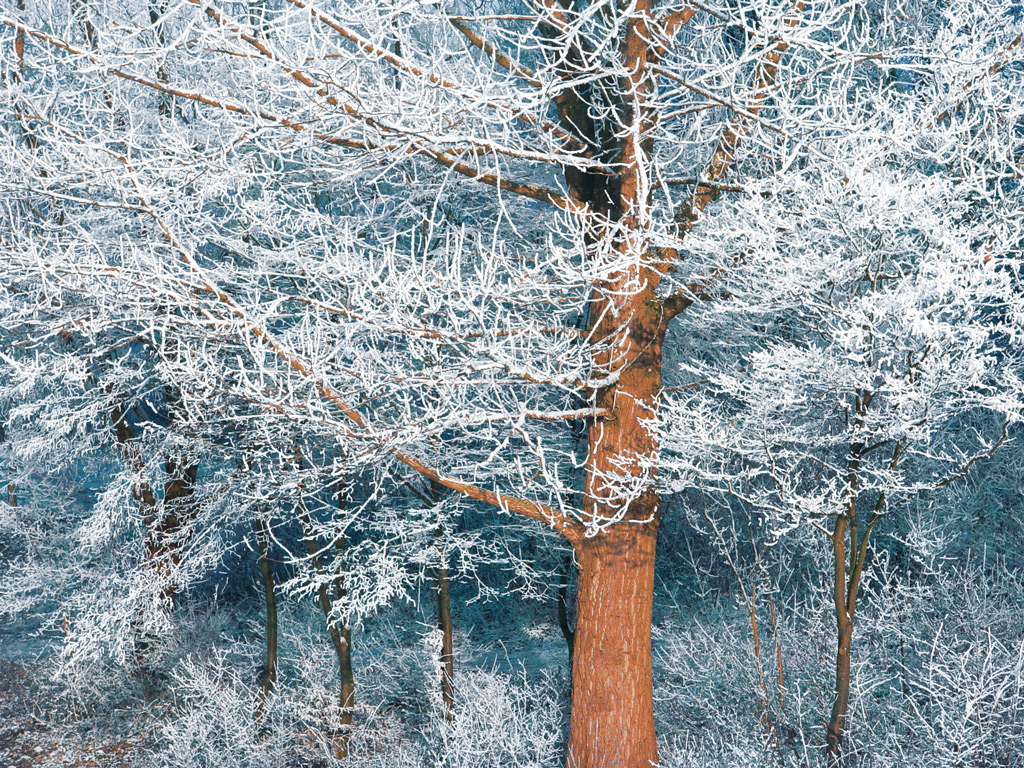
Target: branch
{"points": [[691, 182], [500, 58], [396, 61], [670, 24], [721, 161], [1005, 57], [695, 291], [532, 191], [527, 190], [976, 458], [564, 524]]}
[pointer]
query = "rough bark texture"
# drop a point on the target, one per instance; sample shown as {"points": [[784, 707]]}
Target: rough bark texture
{"points": [[612, 724], [612, 714]]}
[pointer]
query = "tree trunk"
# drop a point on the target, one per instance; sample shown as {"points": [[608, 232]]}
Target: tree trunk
{"points": [[348, 679], [444, 623], [563, 610], [269, 675], [837, 722], [612, 713], [344, 653], [340, 634], [179, 510], [341, 640], [442, 590]]}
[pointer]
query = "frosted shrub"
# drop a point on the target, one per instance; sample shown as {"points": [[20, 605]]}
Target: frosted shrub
{"points": [[499, 721], [966, 688], [215, 724]]}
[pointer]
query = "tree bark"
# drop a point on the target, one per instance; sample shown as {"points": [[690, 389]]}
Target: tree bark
{"points": [[341, 640], [340, 634], [269, 674], [837, 721], [444, 623], [167, 544], [442, 591], [164, 522], [563, 610], [612, 713]]}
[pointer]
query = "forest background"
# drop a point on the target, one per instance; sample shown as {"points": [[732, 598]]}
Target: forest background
{"points": [[559, 382]]}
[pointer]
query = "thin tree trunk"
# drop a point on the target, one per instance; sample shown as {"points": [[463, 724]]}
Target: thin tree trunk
{"points": [[340, 634], [164, 523], [341, 641], [269, 676], [442, 592], [846, 584], [344, 652], [444, 623], [563, 609], [142, 492], [179, 510]]}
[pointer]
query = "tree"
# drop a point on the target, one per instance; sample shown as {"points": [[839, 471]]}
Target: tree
{"points": [[387, 225], [874, 362]]}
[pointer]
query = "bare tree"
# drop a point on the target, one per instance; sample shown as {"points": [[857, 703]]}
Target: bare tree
{"points": [[590, 172]]}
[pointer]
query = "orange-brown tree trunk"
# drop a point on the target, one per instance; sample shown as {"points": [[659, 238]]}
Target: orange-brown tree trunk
{"points": [[841, 705], [612, 710]]}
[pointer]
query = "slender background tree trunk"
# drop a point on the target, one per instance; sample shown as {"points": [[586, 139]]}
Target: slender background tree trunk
{"points": [[837, 721], [269, 675], [563, 609]]}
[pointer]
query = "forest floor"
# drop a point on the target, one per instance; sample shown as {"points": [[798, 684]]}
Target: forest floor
{"points": [[42, 726]]}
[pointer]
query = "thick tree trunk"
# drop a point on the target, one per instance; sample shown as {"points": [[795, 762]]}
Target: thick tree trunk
{"points": [[612, 713]]}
